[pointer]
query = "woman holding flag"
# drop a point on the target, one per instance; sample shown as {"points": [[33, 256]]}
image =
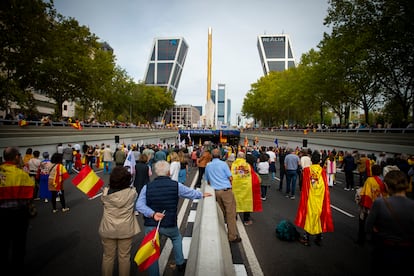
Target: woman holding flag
{"points": [[119, 224]]}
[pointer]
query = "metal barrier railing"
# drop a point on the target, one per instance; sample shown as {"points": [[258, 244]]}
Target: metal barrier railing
{"points": [[209, 250]]}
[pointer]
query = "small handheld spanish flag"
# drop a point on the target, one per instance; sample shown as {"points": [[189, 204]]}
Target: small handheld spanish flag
{"points": [[88, 182], [149, 251], [77, 125], [23, 122]]}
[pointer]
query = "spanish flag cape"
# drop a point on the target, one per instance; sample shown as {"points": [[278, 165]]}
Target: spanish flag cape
{"points": [[314, 211], [59, 174], [373, 188], [246, 187], [368, 167], [15, 183]]}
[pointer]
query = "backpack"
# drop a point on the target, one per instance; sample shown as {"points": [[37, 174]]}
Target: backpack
{"points": [[286, 231]]}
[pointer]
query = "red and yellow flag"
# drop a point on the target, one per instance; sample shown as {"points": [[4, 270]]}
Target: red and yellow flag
{"points": [[246, 141], [23, 122], [77, 125], [246, 187], [372, 189], [149, 251], [368, 168], [314, 212], [88, 182]]}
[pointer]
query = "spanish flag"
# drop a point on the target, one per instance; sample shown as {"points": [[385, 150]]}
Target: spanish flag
{"points": [[368, 167], [246, 187], [314, 212], [372, 189], [77, 125], [23, 122], [149, 251], [246, 141], [88, 182]]}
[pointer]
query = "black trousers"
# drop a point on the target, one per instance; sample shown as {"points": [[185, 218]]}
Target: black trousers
{"points": [[201, 171], [349, 179], [13, 234]]}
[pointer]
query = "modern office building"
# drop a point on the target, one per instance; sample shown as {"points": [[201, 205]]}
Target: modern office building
{"points": [[166, 63], [228, 112], [185, 116], [221, 103], [276, 53]]}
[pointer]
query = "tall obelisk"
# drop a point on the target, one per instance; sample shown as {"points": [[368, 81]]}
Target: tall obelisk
{"points": [[209, 108]]}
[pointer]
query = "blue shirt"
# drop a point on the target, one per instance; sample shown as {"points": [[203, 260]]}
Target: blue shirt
{"points": [[183, 191], [218, 174], [292, 162]]}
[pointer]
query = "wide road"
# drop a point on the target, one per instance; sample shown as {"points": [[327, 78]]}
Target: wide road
{"points": [[69, 244]]}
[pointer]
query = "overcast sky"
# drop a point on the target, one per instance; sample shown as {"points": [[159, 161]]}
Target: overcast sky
{"points": [[130, 27]]}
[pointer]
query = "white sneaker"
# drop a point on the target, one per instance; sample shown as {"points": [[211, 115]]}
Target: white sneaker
{"points": [[346, 189], [46, 200], [65, 209]]}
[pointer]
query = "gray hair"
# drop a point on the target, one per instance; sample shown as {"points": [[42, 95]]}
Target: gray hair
{"points": [[241, 154], [162, 168]]}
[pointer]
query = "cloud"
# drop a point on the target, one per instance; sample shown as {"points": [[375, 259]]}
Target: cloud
{"points": [[130, 26]]}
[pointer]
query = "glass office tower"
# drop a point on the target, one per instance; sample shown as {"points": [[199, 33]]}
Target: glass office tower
{"points": [[166, 63], [221, 103], [275, 52]]}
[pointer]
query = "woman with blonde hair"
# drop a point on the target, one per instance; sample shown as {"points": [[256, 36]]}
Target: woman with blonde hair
{"points": [[175, 166]]}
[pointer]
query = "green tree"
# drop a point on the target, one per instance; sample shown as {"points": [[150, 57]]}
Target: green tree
{"points": [[65, 74], [373, 41], [152, 101], [23, 29]]}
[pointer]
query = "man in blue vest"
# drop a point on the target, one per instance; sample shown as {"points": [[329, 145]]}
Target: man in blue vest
{"points": [[158, 200]]}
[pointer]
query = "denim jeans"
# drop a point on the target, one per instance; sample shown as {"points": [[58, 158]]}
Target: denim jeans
{"points": [[177, 241], [291, 176], [68, 165], [182, 176], [107, 164]]}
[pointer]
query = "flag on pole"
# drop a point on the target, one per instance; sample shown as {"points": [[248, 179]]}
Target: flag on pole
{"points": [[246, 141], [88, 182], [77, 125], [130, 162], [23, 122], [149, 251]]}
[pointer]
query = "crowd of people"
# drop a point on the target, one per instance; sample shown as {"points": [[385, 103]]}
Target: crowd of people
{"points": [[240, 176]]}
